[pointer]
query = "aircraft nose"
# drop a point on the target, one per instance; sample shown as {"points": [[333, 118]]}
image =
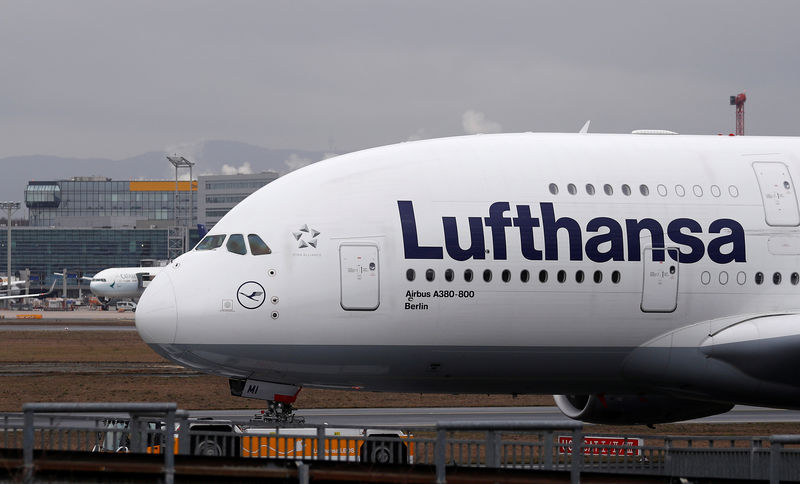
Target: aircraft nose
{"points": [[156, 313]]}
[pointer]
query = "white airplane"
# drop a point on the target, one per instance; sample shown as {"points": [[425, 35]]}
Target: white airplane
{"points": [[16, 285], [121, 282], [639, 278], [26, 296]]}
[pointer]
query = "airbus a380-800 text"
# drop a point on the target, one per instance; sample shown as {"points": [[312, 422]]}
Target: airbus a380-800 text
{"points": [[639, 278]]}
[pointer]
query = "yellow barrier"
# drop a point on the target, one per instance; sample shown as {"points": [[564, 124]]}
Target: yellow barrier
{"points": [[29, 316]]}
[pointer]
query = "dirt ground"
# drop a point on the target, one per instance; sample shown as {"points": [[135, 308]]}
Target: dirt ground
{"points": [[116, 366], [46, 377]]}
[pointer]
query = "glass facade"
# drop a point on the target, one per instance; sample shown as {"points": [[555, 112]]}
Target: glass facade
{"points": [[249, 185], [49, 201], [44, 194], [45, 251], [218, 194]]}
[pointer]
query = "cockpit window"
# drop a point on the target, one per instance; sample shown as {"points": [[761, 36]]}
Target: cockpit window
{"points": [[210, 242], [99, 279], [236, 244], [257, 246]]}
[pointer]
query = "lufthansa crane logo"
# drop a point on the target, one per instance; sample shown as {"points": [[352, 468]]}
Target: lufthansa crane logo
{"points": [[306, 237], [251, 295]]}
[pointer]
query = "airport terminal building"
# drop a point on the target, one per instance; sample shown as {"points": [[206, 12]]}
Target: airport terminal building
{"points": [[86, 224], [218, 194]]}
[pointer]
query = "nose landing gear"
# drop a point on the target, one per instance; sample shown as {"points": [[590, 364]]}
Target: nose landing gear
{"points": [[278, 397], [278, 412]]}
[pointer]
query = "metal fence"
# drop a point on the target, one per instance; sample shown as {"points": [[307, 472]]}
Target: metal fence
{"points": [[136, 429]]}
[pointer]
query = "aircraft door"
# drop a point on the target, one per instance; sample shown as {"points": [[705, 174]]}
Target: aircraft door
{"points": [[777, 194], [660, 288], [360, 281]]}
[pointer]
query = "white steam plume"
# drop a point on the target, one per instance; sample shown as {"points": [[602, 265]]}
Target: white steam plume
{"points": [[475, 122]]}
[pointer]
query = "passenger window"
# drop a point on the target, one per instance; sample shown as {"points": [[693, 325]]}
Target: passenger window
{"points": [[608, 189], [211, 242], [662, 190], [679, 190], [615, 277], [562, 276], [598, 277], [644, 190], [572, 189], [448, 275], [506, 275], [776, 278], [487, 275], [554, 189], [236, 244], [257, 246], [759, 278], [579, 277], [430, 275], [626, 190], [795, 278], [543, 276], [468, 275], [589, 189], [525, 276], [411, 275]]}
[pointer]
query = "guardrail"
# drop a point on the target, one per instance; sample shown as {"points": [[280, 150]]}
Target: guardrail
{"points": [[512, 446], [57, 437]]}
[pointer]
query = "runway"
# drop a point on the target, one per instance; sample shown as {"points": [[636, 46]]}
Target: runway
{"points": [[429, 417]]}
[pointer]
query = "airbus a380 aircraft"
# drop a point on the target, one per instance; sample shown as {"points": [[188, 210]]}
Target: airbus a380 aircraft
{"points": [[640, 278]]}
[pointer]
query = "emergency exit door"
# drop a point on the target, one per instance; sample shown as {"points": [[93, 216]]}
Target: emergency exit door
{"points": [[777, 194], [360, 284], [660, 288]]}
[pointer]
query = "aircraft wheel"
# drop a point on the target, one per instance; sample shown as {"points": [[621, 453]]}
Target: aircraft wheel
{"points": [[208, 448], [384, 452]]}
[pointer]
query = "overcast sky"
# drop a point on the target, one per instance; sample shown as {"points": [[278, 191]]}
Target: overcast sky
{"points": [[115, 79]]}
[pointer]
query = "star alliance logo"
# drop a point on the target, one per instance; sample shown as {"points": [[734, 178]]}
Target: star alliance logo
{"points": [[306, 237]]}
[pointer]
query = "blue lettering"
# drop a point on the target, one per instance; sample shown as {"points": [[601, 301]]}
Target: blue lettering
{"points": [[735, 238], [613, 237], [607, 244], [551, 228], [635, 228], [408, 224], [498, 224], [476, 249], [526, 223], [696, 245]]}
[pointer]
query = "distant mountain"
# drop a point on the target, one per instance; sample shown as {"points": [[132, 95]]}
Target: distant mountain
{"points": [[210, 157]]}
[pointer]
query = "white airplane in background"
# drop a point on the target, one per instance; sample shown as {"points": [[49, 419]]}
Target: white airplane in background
{"points": [[640, 278], [25, 296], [16, 285], [121, 282]]}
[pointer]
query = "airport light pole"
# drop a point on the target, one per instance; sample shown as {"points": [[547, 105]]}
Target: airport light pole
{"points": [[181, 162], [10, 208]]}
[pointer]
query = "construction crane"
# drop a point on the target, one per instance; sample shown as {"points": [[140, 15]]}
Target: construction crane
{"points": [[738, 101]]}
